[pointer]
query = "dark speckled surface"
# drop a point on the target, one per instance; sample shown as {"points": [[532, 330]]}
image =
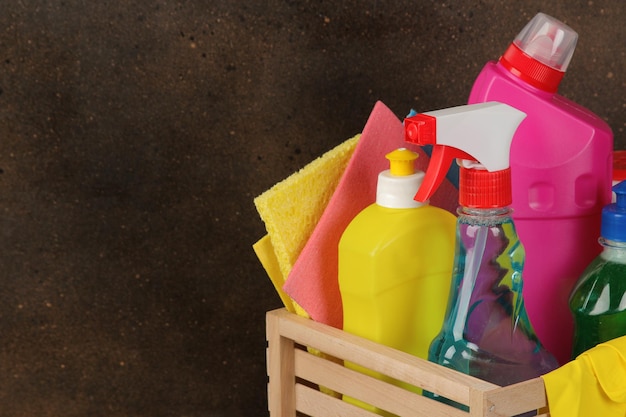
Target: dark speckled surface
{"points": [[133, 138]]}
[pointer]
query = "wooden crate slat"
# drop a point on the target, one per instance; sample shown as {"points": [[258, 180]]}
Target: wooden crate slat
{"points": [[368, 389], [516, 399], [382, 359], [316, 404]]}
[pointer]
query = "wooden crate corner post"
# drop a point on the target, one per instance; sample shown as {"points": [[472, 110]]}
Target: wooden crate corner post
{"points": [[281, 397]]}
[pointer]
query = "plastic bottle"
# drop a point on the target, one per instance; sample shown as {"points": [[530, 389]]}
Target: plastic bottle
{"points": [[395, 265], [486, 332], [598, 301], [619, 169], [560, 169]]}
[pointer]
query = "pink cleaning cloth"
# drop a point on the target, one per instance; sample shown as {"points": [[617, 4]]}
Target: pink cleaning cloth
{"points": [[312, 282]]}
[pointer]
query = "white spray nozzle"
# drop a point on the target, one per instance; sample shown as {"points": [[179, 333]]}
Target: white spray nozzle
{"points": [[480, 132]]}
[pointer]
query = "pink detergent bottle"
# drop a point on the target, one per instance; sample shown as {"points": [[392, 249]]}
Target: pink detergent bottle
{"points": [[561, 168]]}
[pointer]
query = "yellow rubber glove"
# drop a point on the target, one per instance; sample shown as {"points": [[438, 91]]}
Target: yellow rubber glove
{"points": [[594, 384]]}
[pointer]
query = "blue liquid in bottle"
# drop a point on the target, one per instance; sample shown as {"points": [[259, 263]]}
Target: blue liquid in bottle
{"points": [[486, 331]]}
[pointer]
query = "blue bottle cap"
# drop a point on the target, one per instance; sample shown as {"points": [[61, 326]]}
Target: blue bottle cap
{"points": [[614, 216]]}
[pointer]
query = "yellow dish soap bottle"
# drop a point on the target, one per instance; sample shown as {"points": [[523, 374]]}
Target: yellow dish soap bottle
{"points": [[395, 266]]}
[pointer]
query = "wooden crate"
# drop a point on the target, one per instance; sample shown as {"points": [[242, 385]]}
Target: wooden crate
{"points": [[295, 374]]}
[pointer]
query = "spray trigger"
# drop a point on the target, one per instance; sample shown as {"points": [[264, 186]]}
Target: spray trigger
{"points": [[421, 129]]}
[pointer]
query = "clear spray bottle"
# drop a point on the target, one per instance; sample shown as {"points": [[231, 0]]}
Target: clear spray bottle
{"points": [[486, 331]]}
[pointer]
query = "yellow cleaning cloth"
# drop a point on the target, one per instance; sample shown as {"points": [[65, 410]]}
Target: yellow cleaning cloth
{"points": [[594, 384], [267, 256], [290, 211]]}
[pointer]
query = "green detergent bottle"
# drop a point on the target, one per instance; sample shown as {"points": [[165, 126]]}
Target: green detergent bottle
{"points": [[598, 301]]}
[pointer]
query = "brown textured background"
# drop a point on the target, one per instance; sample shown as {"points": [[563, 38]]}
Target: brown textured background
{"points": [[134, 137]]}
